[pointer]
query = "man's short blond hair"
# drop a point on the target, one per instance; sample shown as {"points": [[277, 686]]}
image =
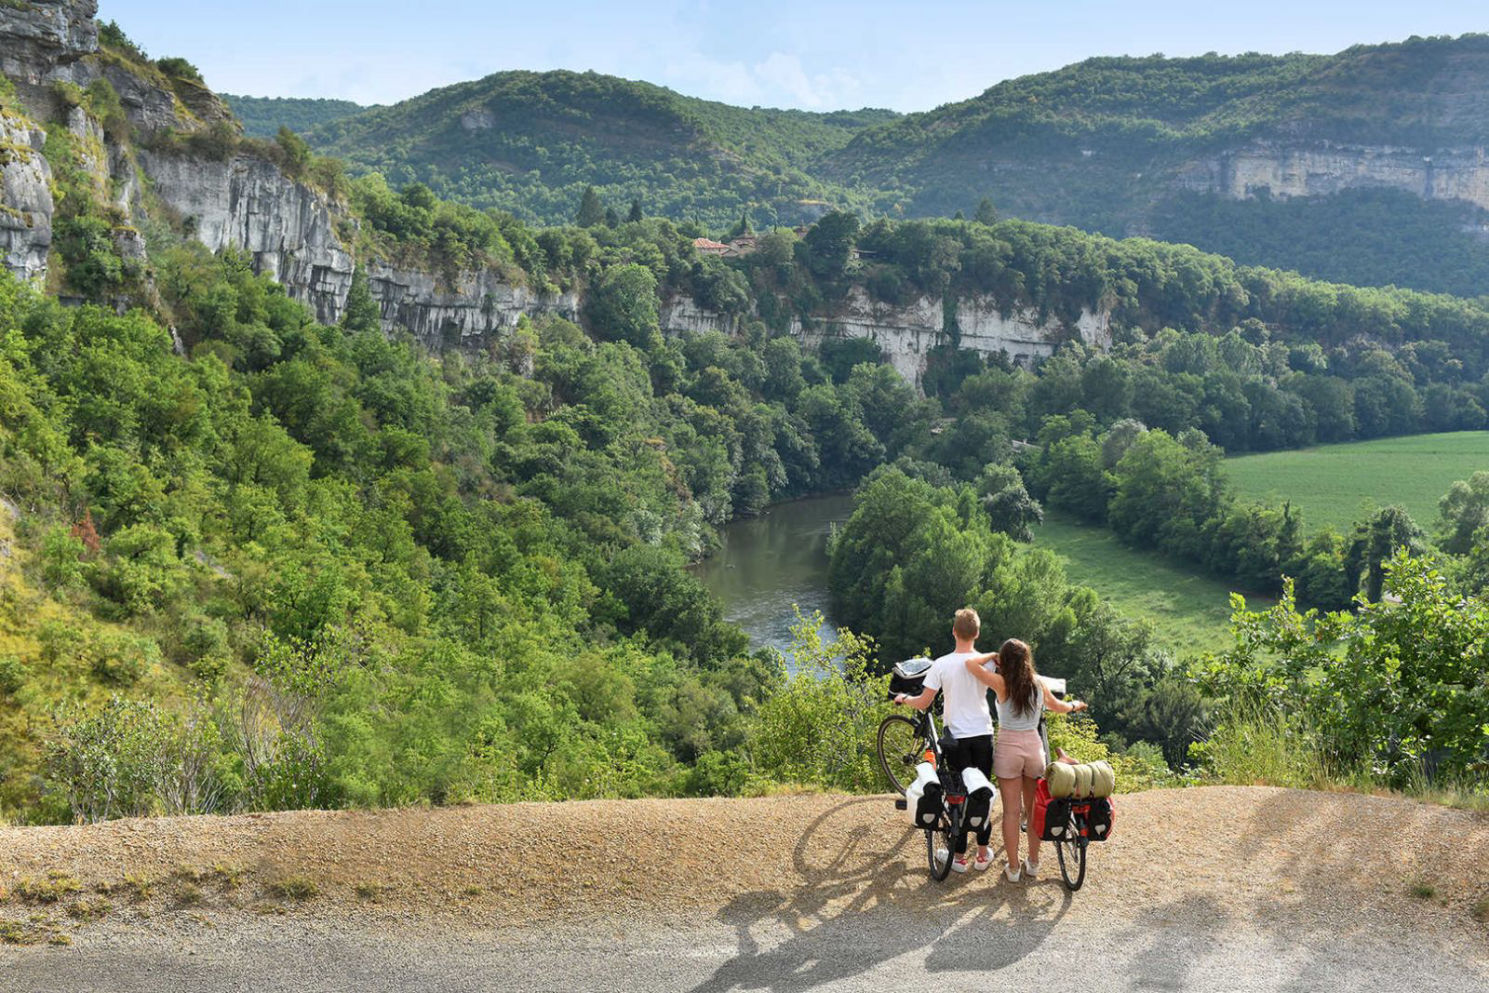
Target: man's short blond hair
{"points": [[967, 624]]}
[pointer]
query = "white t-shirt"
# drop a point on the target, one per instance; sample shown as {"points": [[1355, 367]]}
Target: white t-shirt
{"points": [[966, 710]]}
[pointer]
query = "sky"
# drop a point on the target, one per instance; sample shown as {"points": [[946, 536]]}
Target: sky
{"points": [[808, 54]]}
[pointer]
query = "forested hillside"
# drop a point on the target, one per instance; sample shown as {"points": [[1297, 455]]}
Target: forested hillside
{"points": [[530, 143], [1203, 150], [262, 117]]}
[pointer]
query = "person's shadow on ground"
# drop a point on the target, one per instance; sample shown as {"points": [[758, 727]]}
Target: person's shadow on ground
{"points": [[863, 903]]}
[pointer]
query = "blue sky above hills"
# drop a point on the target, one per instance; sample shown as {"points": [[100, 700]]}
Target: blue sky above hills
{"points": [[811, 55]]}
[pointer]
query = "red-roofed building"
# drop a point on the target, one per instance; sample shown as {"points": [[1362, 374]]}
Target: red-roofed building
{"points": [[707, 246]]}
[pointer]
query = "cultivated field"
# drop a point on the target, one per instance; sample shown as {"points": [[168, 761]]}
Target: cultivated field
{"points": [[1338, 484], [1190, 611]]}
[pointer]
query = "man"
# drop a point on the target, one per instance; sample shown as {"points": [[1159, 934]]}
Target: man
{"points": [[968, 720]]}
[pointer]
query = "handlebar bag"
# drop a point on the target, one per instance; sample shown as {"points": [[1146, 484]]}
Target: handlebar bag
{"points": [[908, 677]]}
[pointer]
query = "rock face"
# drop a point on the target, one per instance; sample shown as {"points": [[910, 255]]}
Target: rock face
{"points": [[1456, 174], [25, 198], [38, 36], [908, 332], [249, 204], [480, 306]]}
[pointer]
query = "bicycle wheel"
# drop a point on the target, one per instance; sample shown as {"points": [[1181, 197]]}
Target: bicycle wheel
{"points": [[943, 837], [1071, 851], [900, 747]]}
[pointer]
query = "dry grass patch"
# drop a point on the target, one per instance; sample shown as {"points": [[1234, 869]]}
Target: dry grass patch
{"points": [[1422, 890], [1480, 910], [297, 888], [137, 887], [56, 886], [90, 910]]}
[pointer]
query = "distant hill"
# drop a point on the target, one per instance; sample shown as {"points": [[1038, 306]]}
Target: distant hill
{"points": [[263, 116], [1361, 167], [530, 142]]}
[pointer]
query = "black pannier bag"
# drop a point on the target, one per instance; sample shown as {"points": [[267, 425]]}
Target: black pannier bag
{"points": [[928, 809], [980, 793], [1099, 820], [908, 677]]}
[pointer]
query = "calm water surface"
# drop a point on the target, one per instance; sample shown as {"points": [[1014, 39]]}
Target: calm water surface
{"points": [[770, 563]]}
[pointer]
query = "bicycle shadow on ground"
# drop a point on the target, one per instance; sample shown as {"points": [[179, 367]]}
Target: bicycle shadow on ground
{"points": [[863, 902]]}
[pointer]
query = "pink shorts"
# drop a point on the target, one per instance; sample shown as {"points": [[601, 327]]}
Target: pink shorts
{"points": [[1018, 753]]}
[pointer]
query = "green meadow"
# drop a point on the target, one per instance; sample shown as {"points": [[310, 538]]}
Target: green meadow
{"points": [[1338, 484], [1189, 611]]}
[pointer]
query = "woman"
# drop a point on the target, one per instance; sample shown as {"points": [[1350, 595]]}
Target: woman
{"points": [[1018, 755]]}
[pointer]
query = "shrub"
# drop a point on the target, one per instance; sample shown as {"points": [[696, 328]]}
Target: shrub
{"points": [[123, 659], [179, 68], [12, 675], [818, 729], [297, 888]]}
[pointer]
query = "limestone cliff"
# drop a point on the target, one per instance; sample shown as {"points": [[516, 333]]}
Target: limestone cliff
{"points": [[907, 332], [25, 198], [40, 37], [1326, 168]]}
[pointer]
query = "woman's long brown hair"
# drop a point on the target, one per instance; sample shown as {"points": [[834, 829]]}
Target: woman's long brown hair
{"points": [[1016, 665]]}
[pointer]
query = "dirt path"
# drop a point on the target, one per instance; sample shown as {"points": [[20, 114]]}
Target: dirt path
{"points": [[724, 893]]}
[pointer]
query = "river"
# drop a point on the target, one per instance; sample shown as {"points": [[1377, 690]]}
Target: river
{"points": [[770, 563]]}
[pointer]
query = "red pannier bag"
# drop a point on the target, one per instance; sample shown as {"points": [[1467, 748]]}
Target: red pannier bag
{"points": [[1048, 813]]}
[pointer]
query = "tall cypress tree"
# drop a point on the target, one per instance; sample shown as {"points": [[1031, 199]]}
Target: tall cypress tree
{"points": [[591, 211]]}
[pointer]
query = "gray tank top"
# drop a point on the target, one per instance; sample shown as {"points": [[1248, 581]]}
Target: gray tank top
{"points": [[1010, 721]]}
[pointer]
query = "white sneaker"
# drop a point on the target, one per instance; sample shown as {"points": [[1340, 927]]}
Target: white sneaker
{"points": [[959, 864], [1031, 869], [1010, 873]]}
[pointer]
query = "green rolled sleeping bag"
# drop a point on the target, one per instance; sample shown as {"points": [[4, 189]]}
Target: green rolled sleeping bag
{"points": [[1090, 779], [1060, 777], [1103, 780]]}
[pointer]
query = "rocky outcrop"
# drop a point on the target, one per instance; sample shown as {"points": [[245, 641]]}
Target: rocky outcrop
{"points": [[247, 203], [907, 332], [1328, 168], [480, 306], [37, 37], [25, 198]]}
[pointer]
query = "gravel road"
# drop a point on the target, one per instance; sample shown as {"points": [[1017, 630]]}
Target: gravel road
{"points": [[1243, 889], [888, 951]]}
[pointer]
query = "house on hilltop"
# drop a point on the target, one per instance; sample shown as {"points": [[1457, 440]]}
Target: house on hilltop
{"points": [[707, 246]]}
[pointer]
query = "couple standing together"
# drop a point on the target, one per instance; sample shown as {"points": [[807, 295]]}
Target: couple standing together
{"points": [[1018, 760]]}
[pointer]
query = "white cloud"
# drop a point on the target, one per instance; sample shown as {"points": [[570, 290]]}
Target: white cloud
{"points": [[783, 74]]}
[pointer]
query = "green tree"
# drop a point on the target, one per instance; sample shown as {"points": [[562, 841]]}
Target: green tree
{"points": [[591, 212], [622, 306], [1462, 512]]}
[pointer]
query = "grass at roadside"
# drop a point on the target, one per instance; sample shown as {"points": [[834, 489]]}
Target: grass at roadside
{"points": [[1190, 611], [1335, 484]]}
